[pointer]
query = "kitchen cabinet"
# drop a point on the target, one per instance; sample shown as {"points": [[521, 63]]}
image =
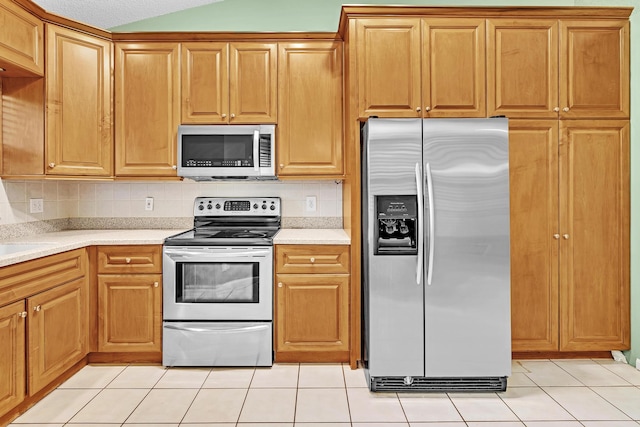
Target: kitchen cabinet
{"points": [[130, 298], [570, 235], [545, 68], [57, 332], [78, 115], [412, 67], [21, 41], [147, 109], [12, 355], [312, 303], [51, 296], [310, 140], [229, 82]]}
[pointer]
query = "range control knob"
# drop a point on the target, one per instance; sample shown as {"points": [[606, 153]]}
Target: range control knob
{"points": [[255, 206], [273, 207], [201, 207], [264, 206], [209, 206], [217, 205]]}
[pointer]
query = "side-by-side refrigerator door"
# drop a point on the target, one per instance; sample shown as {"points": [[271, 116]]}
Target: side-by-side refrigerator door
{"points": [[393, 274], [467, 294]]}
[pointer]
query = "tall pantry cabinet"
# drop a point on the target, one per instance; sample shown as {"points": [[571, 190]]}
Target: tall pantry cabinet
{"points": [[565, 84]]}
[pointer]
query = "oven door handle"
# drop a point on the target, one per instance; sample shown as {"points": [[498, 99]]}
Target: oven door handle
{"points": [[218, 329], [211, 256]]}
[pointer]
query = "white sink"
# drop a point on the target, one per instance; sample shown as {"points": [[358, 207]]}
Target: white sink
{"points": [[12, 248]]}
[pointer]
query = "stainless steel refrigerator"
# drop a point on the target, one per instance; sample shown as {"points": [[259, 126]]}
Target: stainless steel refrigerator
{"points": [[435, 254]]}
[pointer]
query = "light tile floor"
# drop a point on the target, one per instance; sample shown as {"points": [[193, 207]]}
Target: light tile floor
{"points": [[541, 393]]}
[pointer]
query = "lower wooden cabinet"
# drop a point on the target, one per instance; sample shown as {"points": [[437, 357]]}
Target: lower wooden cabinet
{"points": [[130, 301], [57, 332], [43, 324], [312, 303], [12, 355]]}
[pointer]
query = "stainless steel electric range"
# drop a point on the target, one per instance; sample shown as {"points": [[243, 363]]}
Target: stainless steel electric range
{"points": [[218, 285]]}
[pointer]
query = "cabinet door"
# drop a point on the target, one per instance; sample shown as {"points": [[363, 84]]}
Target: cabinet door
{"points": [[522, 68], [253, 79], [594, 224], [310, 109], [21, 41], [58, 324], [533, 181], [388, 67], [130, 307], [12, 356], [594, 69], [147, 108], [205, 83], [79, 133], [312, 313], [453, 67]]}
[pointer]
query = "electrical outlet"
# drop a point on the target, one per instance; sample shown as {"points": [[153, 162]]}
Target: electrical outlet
{"points": [[36, 206], [148, 204], [311, 204]]}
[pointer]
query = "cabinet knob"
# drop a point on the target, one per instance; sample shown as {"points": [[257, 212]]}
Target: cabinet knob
{"points": [[427, 108], [155, 284], [279, 284], [223, 115], [418, 109], [37, 308], [312, 259], [52, 165], [127, 260], [565, 236], [556, 109], [556, 236], [565, 109], [22, 314], [281, 165], [174, 167], [232, 115]]}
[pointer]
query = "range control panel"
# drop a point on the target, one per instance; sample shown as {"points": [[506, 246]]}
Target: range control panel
{"points": [[240, 206]]}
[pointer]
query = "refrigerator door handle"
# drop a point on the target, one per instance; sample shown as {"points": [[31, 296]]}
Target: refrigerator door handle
{"points": [[432, 225], [420, 222]]}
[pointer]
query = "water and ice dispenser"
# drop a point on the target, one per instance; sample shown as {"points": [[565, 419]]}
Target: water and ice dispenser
{"points": [[397, 225]]}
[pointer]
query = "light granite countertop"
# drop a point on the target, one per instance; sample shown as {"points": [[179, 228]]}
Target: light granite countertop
{"points": [[311, 236], [13, 251], [40, 245]]}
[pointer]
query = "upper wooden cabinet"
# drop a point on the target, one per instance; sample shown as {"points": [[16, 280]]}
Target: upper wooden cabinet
{"points": [[229, 82], [309, 139], [79, 138], [21, 41], [543, 68], [147, 107], [391, 52]]}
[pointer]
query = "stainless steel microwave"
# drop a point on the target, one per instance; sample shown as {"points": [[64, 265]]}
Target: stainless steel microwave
{"points": [[209, 152]]}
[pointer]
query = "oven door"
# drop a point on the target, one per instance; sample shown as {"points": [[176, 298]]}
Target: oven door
{"points": [[217, 283]]}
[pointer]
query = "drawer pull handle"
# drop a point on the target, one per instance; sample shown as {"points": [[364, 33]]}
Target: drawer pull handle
{"points": [[22, 314], [37, 308], [312, 259], [127, 260]]}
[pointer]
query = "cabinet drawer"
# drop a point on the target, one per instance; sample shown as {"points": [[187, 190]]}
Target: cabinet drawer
{"points": [[130, 259], [27, 278], [333, 259]]}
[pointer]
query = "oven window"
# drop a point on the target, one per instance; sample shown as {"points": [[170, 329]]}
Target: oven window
{"points": [[217, 282]]}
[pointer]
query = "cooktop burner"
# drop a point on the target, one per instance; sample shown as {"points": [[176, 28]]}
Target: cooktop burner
{"points": [[231, 221]]}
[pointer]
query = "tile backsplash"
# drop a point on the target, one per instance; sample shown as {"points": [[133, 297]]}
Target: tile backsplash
{"points": [[121, 199]]}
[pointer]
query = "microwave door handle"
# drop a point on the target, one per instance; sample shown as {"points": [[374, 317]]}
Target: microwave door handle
{"points": [[256, 150]]}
